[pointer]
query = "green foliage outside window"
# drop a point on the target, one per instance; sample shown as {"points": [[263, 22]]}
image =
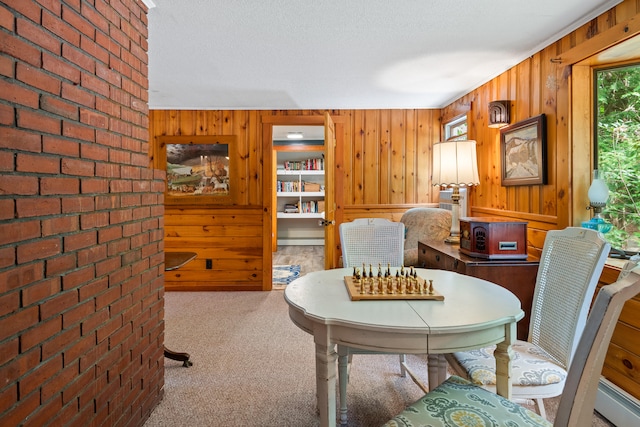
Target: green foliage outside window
{"points": [[618, 152]]}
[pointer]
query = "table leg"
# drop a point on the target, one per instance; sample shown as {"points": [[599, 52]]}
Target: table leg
{"points": [[343, 380], [433, 370], [325, 376], [504, 355]]}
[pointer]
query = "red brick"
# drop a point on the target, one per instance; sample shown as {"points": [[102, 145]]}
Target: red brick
{"points": [[78, 204], [20, 276], [19, 49], [77, 241], [81, 277], [44, 330], [60, 146], [40, 206], [60, 264], [58, 304], [93, 119], [16, 415], [7, 257], [59, 225], [20, 95], [130, 200], [35, 34], [94, 220], [105, 202], [108, 234], [94, 152], [50, 186], [59, 342], [119, 246], [18, 185], [39, 249], [120, 186], [30, 10], [95, 50], [18, 322], [79, 58], [91, 323], [59, 107], [58, 382], [37, 163], [7, 114], [78, 348], [61, 29], [77, 167], [106, 267], [34, 77], [75, 130], [7, 66], [39, 121], [107, 74], [107, 328], [108, 170], [71, 391], [45, 412], [120, 216], [8, 351], [131, 172], [79, 95], [9, 303], [7, 19], [77, 314], [108, 138], [7, 163], [78, 22], [35, 293]]}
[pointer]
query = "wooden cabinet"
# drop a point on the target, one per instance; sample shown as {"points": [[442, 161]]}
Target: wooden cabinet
{"points": [[519, 276]]}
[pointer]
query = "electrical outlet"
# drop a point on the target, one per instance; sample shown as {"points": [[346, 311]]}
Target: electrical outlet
{"points": [[208, 264]]}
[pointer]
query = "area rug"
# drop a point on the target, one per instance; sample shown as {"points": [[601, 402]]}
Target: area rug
{"points": [[284, 274]]}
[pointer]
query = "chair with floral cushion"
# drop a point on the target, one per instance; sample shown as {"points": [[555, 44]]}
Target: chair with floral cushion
{"points": [[458, 402], [570, 266], [424, 225]]}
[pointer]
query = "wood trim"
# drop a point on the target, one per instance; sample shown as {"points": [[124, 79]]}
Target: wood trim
{"points": [[609, 37]]}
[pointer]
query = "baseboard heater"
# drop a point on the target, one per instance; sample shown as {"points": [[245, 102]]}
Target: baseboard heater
{"points": [[616, 405]]}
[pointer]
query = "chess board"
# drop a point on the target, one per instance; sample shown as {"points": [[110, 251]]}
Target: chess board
{"points": [[421, 292]]}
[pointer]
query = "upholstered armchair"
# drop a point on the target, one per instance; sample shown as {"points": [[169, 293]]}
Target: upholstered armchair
{"points": [[425, 225]]}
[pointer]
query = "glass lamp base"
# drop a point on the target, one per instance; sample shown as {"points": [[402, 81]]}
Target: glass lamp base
{"points": [[597, 224]]}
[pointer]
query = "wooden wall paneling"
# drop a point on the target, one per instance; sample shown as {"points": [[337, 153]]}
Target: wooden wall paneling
{"points": [[511, 95], [548, 194], [410, 172], [523, 96], [428, 131], [370, 159], [532, 192], [357, 162], [398, 167], [564, 177], [384, 167]]}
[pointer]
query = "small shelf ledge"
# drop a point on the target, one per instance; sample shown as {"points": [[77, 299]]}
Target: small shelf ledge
{"points": [[300, 215], [300, 193]]}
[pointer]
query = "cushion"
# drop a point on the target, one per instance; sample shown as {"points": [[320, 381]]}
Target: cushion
{"points": [[458, 402], [530, 366], [424, 225]]}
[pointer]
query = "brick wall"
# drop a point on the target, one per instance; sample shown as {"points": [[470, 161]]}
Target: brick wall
{"points": [[81, 280]]}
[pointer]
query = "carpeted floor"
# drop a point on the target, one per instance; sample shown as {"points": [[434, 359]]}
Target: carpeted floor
{"points": [[253, 367]]}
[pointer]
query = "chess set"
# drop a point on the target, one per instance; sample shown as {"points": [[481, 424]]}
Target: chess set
{"points": [[403, 285]]}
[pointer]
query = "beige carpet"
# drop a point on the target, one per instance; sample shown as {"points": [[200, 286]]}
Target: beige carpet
{"points": [[253, 367]]}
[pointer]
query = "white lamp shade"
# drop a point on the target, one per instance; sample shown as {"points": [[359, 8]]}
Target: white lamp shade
{"points": [[598, 192], [455, 164]]}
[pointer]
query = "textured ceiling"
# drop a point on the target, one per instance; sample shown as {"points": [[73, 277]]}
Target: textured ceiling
{"points": [[343, 54]]}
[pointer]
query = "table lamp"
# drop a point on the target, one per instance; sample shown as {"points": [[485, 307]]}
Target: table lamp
{"points": [[598, 196], [455, 165]]}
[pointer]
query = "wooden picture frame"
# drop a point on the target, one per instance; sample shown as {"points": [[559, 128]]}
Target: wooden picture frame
{"points": [[523, 151], [200, 169]]}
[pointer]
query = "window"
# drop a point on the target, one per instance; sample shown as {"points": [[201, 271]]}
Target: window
{"points": [[617, 150], [456, 129]]}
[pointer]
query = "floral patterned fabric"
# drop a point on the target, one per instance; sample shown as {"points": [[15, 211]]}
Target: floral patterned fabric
{"points": [[531, 366], [459, 403], [425, 225]]}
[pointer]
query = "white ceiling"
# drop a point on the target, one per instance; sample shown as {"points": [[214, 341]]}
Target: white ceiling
{"points": [[343, 54]]}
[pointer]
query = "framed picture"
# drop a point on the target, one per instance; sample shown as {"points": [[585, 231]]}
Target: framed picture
{"points": [[200, 169], [523, 152]]}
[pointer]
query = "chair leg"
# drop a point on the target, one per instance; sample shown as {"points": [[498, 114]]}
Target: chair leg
{"points": [[403, 361], [539, 404]]}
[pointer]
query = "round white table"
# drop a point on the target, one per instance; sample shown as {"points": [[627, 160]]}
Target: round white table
{"points": [[474, 314]]}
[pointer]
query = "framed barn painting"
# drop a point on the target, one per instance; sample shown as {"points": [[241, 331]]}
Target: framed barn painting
{"points": [[200, 169], [523, 152]]}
